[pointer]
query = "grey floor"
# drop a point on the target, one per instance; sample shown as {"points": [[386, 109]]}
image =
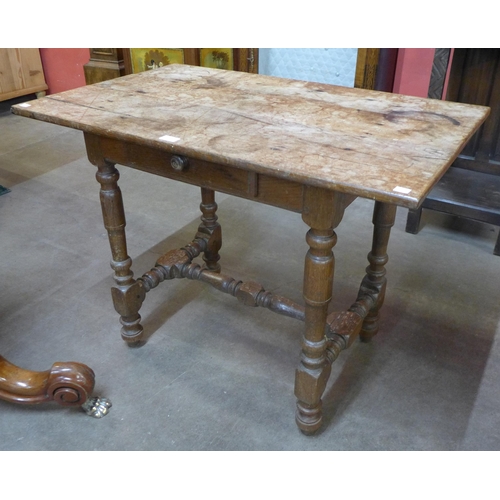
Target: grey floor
{"points": [[216, 375]]}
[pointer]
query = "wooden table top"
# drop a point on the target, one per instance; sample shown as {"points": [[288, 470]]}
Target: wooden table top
{"points": [[377, 145]]}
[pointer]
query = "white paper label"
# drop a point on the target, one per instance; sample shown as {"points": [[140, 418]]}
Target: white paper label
{"points": [[402, 190], [169, 138], [24, 105]]}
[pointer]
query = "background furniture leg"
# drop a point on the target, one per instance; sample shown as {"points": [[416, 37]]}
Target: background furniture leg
{"points": [[413, 220]]}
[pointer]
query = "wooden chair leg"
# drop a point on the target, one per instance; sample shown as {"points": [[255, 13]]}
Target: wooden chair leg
{"points": [[413, 221]]}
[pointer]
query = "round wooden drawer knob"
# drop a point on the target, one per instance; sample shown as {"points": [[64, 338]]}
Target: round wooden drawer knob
{"points": [[179, 163]]}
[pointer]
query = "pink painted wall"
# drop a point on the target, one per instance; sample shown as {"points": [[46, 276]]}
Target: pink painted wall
{"points": [[413, 72], [63, 68]]}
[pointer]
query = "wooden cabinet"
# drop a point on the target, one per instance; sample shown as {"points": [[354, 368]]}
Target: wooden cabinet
{"points": [[471, 187], [104, 64], [21, 73]]}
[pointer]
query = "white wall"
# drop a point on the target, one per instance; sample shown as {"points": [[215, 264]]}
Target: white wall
{"points": [[334, 66]]}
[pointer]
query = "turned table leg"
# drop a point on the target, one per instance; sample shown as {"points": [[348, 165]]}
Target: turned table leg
{"points": [[322, 212], [128, 294], [375, 280]]}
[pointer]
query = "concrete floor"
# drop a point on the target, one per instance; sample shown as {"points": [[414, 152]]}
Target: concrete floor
{"points": [[216, 375]]}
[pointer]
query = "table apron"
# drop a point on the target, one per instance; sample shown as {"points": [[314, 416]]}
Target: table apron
{"points": [[227, 179]]}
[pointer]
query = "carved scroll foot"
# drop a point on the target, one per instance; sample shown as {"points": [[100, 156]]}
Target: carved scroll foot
{"points": [[69, 384]]}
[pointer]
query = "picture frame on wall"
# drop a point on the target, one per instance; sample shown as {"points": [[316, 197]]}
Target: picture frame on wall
{"points": [[136, 60], [143, 59], [217, 58]]}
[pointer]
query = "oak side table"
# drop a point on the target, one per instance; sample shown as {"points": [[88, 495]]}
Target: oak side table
{"points": [[306, 147]]}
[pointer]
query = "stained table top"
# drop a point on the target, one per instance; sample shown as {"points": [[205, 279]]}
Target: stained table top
{"points": [[377, 145]]}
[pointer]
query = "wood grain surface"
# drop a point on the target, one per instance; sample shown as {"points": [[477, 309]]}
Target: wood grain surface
{"points": [[382, 146]]}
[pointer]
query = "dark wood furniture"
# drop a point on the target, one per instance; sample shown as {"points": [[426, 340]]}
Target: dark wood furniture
{"points": [[471, 187], [104, 64], [306, 147]]}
